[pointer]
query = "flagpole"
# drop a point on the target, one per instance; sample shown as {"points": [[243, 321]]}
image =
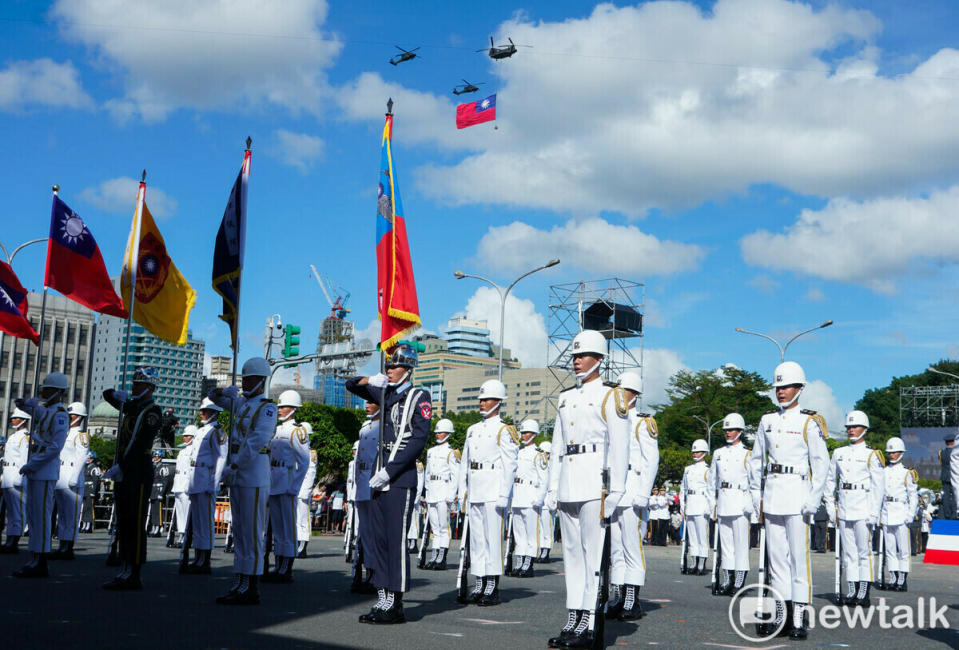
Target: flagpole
{"points": [[235, 333], [383, 316]]}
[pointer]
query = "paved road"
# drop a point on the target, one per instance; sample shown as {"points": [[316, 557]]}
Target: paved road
{"points": [[317, 611]]}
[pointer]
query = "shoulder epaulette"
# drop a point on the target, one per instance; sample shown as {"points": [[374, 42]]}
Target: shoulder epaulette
{"points": [[610, 384], [619, 401], [772, 412], [511, 430], [807, 412], [567, 390]]}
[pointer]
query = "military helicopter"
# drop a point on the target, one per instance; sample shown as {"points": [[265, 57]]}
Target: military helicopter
{"points": [[502, 51], [405, 55], [466, 87]]}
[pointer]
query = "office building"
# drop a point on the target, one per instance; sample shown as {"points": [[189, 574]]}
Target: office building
{"points": [[526, 395]]}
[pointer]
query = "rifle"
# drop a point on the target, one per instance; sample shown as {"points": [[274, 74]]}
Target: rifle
{"points": [[510, 542], [461, 586], [421, 561], [602, 586], [113, 557], [682, 548], [357, 569], [881, 562], [348, 537], [840, 599], [760, 612], [187, 542], [713, 581]]}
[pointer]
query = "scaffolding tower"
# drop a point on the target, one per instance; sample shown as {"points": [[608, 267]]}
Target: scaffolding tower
{"points": [[614, 307], [929, 406]]}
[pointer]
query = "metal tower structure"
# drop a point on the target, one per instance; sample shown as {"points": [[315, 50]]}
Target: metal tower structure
{"points": [[613, 307], [929, 406]]}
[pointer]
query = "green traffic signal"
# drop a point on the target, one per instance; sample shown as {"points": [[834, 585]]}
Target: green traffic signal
{"points": [[291, 342]]}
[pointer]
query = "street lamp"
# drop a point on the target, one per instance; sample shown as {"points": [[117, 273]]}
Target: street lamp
{"points": [[782, 348], [459, 275], [940, 372], [16, 250], [709, 431]]}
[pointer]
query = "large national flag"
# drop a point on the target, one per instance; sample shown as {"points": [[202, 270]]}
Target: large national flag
{"points": [[13, 306], [163, 296], [398, 308], [943, 544], [228, 252], [75, 266], [482, 110]]}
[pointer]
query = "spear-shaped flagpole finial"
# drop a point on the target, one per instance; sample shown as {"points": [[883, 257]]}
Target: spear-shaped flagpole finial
{"points": [[249, 141], [143, 177], [389, 106], [56, 189]]}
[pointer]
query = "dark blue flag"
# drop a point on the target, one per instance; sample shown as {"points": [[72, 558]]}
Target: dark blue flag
{"points": [[228, 253]]}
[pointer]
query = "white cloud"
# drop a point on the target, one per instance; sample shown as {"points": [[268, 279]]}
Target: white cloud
{"points": [[871, 243], [814, 295], [43, 82], [525, 327], [593, 245], [298, 150], [659, 365], [818, 395], [119, 196], [764, 284], [206, 54], [665, 104]]}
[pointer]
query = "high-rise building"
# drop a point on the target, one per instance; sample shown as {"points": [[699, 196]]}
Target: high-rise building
{"points": [[434, 366], [526, 392], [68, 344], [468, 337], [221, 371], [330, 383]]}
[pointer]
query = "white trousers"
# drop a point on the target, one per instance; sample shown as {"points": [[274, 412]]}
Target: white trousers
{"points": [[283, 521], [856, 550], [787, 545], [303, 528], [203, 507], [627, 559], [524, 531], [734, 541], [248, 510], [39, 513], [582, 551], [439, 514], [545, 528], [68, 501], [16, 500], [413, 532], [181, 510], [486, 540], [897, 547], [697, 535]]}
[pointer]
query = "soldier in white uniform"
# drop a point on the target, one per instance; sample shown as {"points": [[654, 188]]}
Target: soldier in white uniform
{"points": [[304, 529], [954, 471], [442, 479], [185, 459], [15, 454], [51, 425], [208, 457], [790, 451], [289, 462], [413, 532], [590, 442], [248, 475], [899, 504], [627, 559], [486, 480], [855, 473], [69, 490], [696, 505], [544, 525], [529, 492], [729, 481]]}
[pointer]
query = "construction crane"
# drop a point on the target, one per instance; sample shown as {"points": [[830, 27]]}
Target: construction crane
{"points": [[338, 308]]}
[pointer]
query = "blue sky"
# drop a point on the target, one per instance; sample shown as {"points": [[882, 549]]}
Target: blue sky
{"points": [[763, 164]]}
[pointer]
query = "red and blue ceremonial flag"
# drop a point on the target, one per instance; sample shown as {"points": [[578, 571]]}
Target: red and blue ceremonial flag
{"points": [[943, 544], [482, 110], [397, 305], [13, 306], [75, 266]]}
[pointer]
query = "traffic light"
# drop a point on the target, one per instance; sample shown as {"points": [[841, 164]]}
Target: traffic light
{"points": [[291, 345]]}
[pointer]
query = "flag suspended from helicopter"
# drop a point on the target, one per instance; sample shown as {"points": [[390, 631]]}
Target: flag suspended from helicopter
{"points": [[482, 110]]}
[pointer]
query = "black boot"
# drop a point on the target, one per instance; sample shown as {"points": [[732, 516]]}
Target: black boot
{"points": [[113, 558], [582, 636], [490, 595], [902, 586], [37, 568], [788, 625], [301, 553], [392, 611], [632, 609], [477, 592], [546, 557], [200, 564], [229, 544], [440, 564], [614, 606], [800, 628], [127, 580], [12, 545], [245, 593], [564, 635]]}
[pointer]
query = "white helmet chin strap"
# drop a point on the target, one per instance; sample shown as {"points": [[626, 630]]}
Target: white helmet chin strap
{"points": [[488, 413], [632, 402], [209, 420], [288, 416], [859, 437], [251, 392], [738, 436], [581, 376], [893, 462], [402, 379], [791, 402], [53, 397]]}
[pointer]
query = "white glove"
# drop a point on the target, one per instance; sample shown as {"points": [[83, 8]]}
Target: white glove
{"points": [[121, 395], [231, 392], [809, 509], [642, 502], [872, 521], [612, 502], [379, 380], [380, 479], [551, 503], [756, 505], [114, 473], [502, 504]]}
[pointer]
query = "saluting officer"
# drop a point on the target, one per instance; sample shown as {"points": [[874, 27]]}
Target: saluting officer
{"points": [[15, 454], [899, 505], [544, 524], [592, 439], [790, 451], [69, 491], [51, 425], [627, 559], [132, 472], [442, 479], [405, 431], [529, 492], [486, 482], [855, 472], [289, 462], [248, 475], [185, 460], [304, 529], [208, 458], [696, 505], [729, 480]]}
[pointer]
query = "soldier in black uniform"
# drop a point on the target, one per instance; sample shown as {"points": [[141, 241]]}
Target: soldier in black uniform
{"points": [[162, 483], [948, 509], [168, 427], [91, 486], [132, 472]]}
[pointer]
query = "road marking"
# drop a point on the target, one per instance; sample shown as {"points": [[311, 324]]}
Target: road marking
{"points": [[456, 634], [485, 621], [745, 647], [657, 600]]}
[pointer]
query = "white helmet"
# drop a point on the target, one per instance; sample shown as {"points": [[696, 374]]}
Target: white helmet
{"points": [[546, 446], [208, 405], [895, 444], [189, 430], [589, 342], [789, 373], [256, 367], [857, 419], [631, 381], [700, 445], [77, 408], [17, 413], [444, 426], [356, 445], [56, 380], [290, 398], [733, 421], [492, 389], [529, 426]]}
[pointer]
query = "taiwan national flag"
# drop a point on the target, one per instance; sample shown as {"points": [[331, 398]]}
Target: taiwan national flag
{"points": [[482, 110], [75, 266], [13, 306]]}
